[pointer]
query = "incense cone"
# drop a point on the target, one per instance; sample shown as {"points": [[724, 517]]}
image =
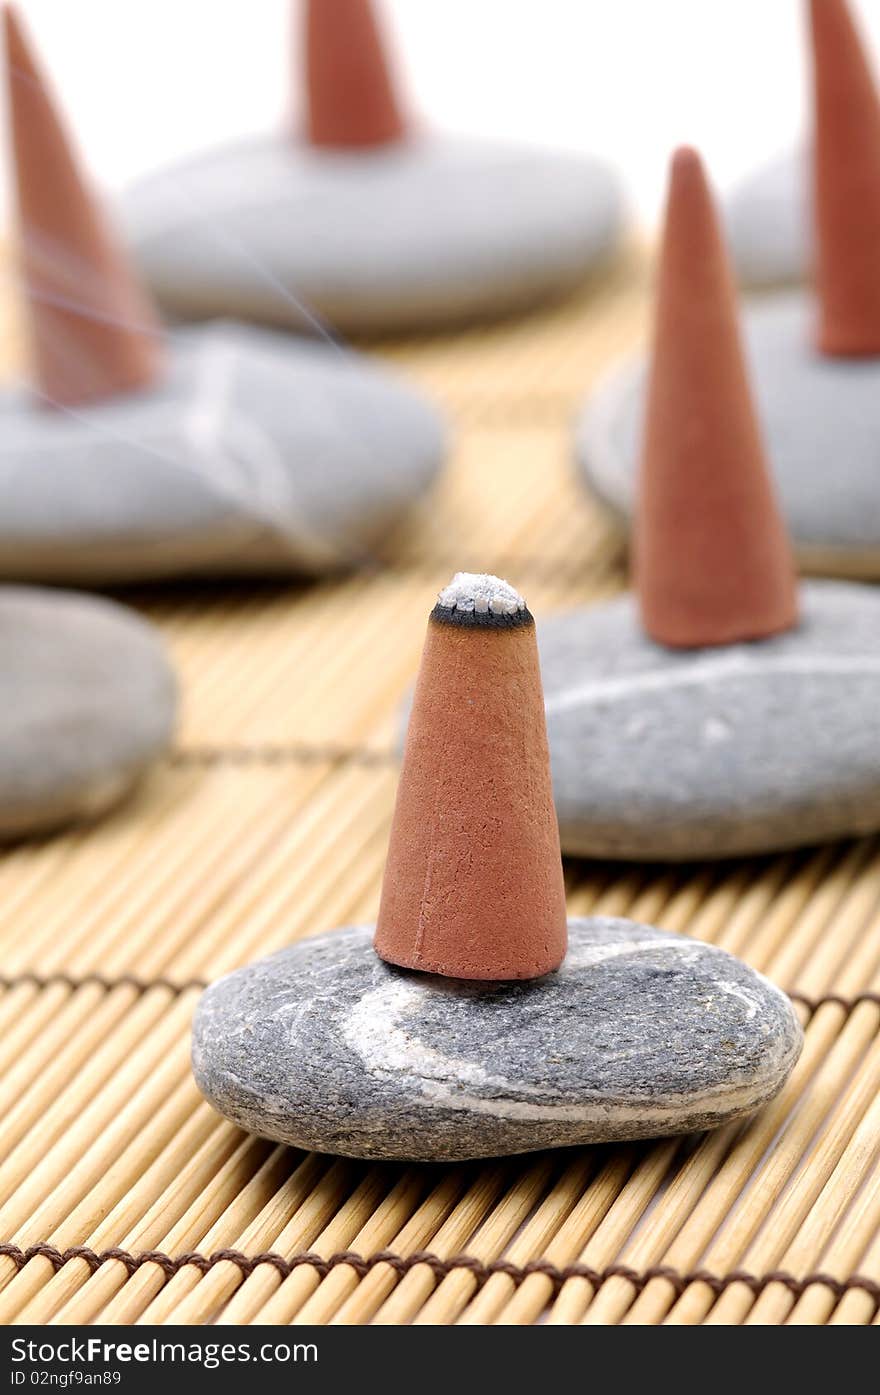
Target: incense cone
{"points": [[351, 96], [473, 882], [93, 331], [846, 184], [713, 563]]}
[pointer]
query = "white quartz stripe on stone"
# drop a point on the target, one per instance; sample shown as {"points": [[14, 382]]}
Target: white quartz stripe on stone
{"points": [[325, 1046], [253, 451], [375, 1028], [733, 662], [237, 457], [220, 445]]}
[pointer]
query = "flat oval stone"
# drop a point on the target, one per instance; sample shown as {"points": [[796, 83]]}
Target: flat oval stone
{"points": [[427, 231], [87, 703], [677, 754], [639, 1034], [259, 452], [767, 220], [821, 423]]}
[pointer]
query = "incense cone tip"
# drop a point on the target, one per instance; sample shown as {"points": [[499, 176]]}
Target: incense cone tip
{"points": [[686, 159], [480, 599], [93, 332], [351, 92], [17, 47]]}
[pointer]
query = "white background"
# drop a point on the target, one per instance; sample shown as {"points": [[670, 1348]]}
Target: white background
{"points": [[144, 81]]}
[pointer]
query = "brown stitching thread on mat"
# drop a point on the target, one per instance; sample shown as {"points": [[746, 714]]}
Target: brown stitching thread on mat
{"points": [[144, 985], [74, 982], [440, 1268], [534, 568], [535, 410], [271, 754], [577, 570], [848, 1004], [497, 412]]}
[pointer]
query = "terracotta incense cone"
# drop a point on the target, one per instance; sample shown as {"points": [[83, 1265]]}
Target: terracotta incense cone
{"points": [[94, 333], [473, 882], [351, 93], [713, 563], [846, 184]]}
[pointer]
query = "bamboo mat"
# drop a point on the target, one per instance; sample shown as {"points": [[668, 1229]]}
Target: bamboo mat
{"points": [[124, 1198]]}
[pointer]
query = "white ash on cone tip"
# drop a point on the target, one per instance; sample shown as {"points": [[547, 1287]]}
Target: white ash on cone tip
{"points": [[481, 601], [478, 593]]}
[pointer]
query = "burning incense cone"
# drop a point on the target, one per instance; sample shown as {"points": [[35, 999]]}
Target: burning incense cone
{"points": [[713, 563], [351, 95], [93, 331], [846, 184], [473, 882], [327, 1045]]}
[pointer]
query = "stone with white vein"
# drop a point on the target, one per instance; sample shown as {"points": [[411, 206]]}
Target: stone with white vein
{"points": [[639, 1034], [675, 754], [259, 452]]}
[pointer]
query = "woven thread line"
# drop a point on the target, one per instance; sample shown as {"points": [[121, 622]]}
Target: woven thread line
{"points": [[497, 412], [440, 1268], [77, 981], [144, 985], [271, 754], [578, 571]]}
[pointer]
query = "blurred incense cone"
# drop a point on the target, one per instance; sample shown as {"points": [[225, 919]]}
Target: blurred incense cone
{"points": [[93, 331], [846, 184], [350, 90], [713, 563], [473, 882]]}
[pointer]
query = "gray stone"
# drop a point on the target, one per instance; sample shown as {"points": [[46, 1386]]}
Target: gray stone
{"points": [[821, 422], [433, 230], [259, 452], [639, 1034], [678, 754], [768, 219], [87, 704]]}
